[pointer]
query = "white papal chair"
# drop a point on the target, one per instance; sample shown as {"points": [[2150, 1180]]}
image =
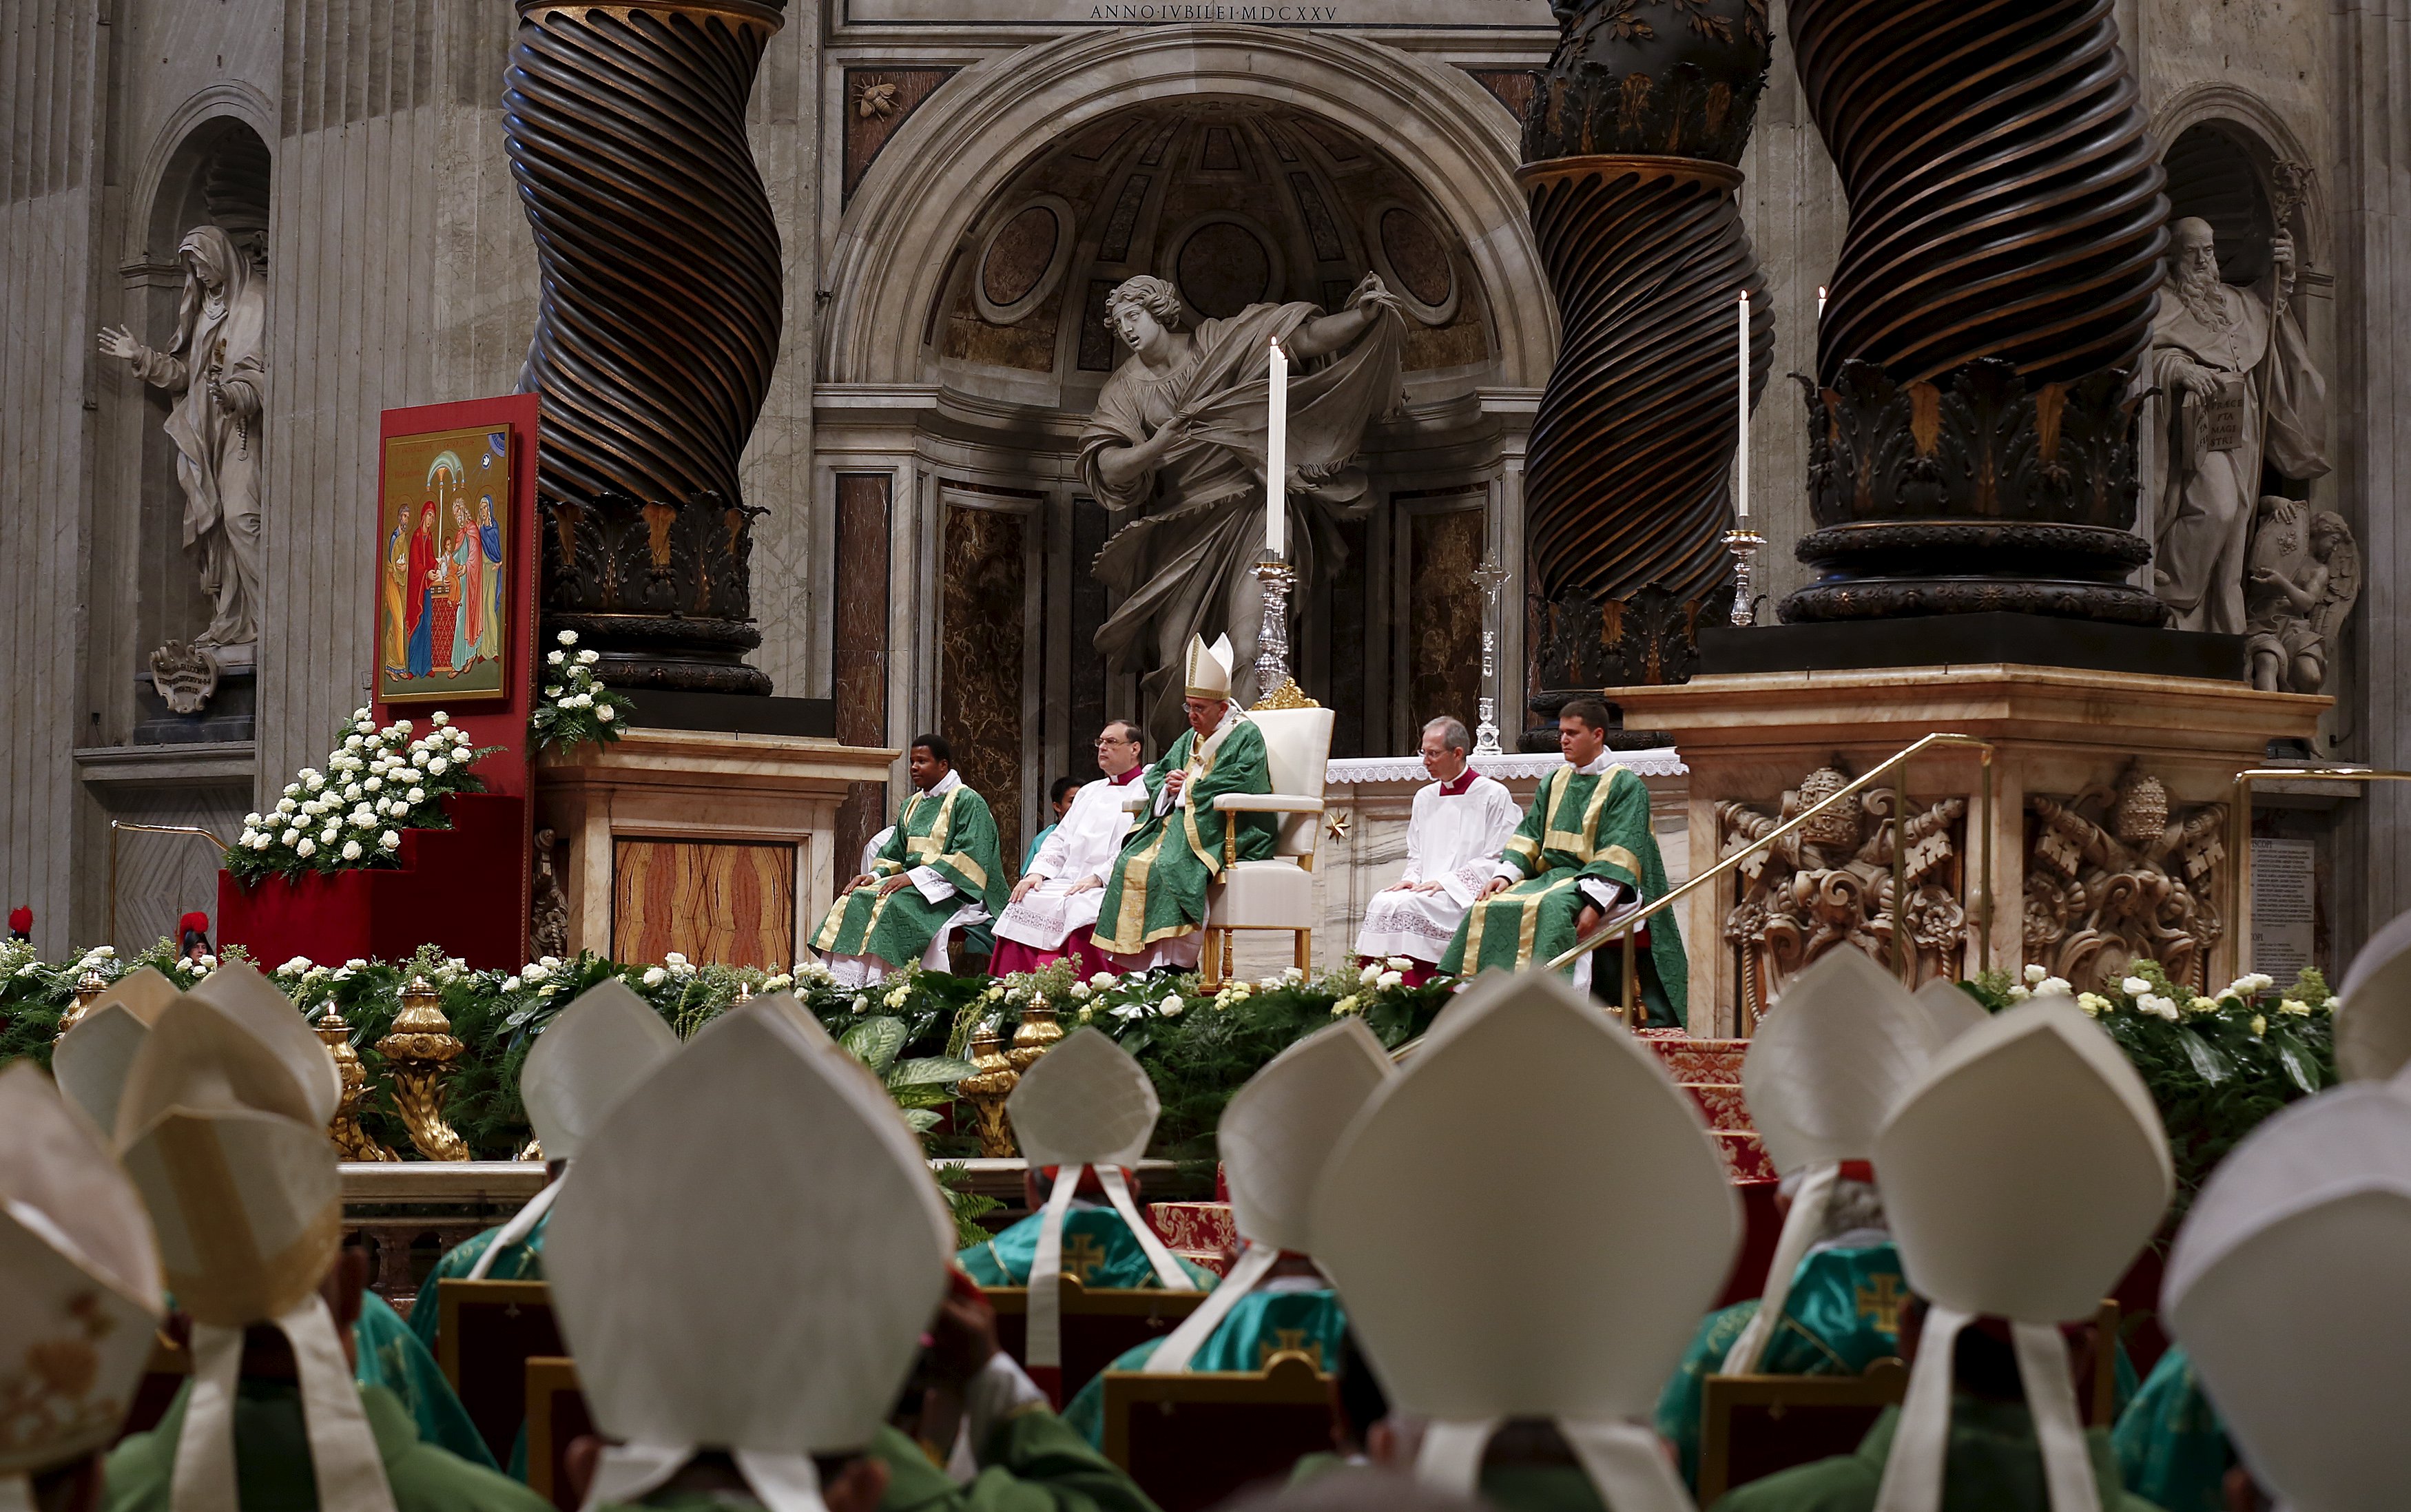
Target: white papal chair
{"points": [[1278, 894]]}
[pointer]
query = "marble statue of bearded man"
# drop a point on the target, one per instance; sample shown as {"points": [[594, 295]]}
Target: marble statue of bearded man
{"points": [[1176, 451], [2238, 387]]}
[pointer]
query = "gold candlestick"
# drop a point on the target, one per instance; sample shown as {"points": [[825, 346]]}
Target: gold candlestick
{"points": [[352, 1142], [88, 989], [1038, 1034], [992, 1081], [420, 1049]]}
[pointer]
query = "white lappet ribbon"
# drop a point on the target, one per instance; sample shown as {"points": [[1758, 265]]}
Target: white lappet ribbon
{"points": [[1045, 1349], [1171, 1356], [344, 1457], [1623, 1458], [1801, 1226], [628, 1473], [521, 1224], [1913, 1472]]}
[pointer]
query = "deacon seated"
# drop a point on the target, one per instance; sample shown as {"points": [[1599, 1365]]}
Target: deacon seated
{"points": [[1054, 906], [1153, 911], [2010, 1227], [771, 1382], [939, 872], [222, 1125], [1272, 1140], [1836, 1049], [1458, 828], [1583, 854]]}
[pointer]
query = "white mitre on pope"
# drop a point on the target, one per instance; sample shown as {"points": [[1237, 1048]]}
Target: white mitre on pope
{"points": [[80, 1289], [2315, 1204], [1274, 1140], [2021, 1174], [1525, 1086], [91, 1060], [2373, 1010], [1206, 669], [229, 1151], [825, 1271], [1831, 1059], [605, 1042], [1085, 1106]]}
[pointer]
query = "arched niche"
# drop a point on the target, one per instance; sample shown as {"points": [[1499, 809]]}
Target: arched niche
{"points": [[2232, 160]]}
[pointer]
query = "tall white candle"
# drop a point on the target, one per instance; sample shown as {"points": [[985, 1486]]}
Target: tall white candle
{"points": [[1277, 458], [1820, 301], [1741, 456]]}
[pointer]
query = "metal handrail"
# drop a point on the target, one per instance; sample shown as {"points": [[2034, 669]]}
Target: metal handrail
{"points": [[116, 824], [1629, 1008], [2239, 830]]}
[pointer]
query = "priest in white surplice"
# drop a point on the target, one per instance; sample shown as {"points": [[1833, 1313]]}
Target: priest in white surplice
{"points": [[1054, 908], [1458, 829]]}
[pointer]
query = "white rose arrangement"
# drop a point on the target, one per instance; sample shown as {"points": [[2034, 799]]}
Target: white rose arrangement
{"points": [[573, 707], [378, 782]]}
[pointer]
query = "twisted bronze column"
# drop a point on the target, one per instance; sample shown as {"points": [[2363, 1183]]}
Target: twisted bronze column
{"points": [[1970, 432], [659, 323]]}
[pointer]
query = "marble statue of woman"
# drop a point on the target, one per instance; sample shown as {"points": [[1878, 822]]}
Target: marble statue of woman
{"points": [[217, 366], [1176, 450]]}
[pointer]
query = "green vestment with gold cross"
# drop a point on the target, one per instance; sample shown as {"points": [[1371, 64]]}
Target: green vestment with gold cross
{"points": [[1579, 826], [951, 833], [1157, 886]]}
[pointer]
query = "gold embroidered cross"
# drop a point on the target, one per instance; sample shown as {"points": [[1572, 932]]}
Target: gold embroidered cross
{"points": [[1289, 1341], [1883, 1301], [1083, 1258]]}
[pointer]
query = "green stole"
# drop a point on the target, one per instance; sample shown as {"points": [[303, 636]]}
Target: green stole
{"points": [[1157, 886], [954, 836]]}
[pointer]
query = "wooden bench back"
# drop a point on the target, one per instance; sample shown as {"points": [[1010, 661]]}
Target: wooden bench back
{"points": [[1097, 1325], [1193, 1439], [487, 1332]]}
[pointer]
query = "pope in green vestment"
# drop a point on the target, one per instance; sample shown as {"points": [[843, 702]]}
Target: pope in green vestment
{"points": [[1157, 891], [1843, 1315], [272, 1460], [2172, 1445], [1585, 839], [940, 861], [1993, 1464], [1099, 1252], [1263, 1324]]}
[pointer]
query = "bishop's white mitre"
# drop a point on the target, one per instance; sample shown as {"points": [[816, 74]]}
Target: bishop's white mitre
{"points": [[2373, 1011], [1525, 1087], [2020, 1175], [2287, 1289], [823, 1272], [91, 1060]]}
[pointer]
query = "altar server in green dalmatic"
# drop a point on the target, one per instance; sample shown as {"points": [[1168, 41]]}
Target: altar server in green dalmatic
{"points": [[1153, 913], [605, 1042], [1841, 1045], [2022, 1172], [939, 872], [1583, 854], [770, 1381], [2286, 1286], [1274, 1138]]}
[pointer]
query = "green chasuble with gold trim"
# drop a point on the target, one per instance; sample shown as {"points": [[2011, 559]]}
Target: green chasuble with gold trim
{"points": [[1261, 1325], [1157, 886], [1578, 826], [951, 833], [1843, 1315]]}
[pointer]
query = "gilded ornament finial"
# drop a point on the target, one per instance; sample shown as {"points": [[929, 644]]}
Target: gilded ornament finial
{"points": [[88, 989], [420, 1049], [1038, 1034], [352, 1142], [992, 1081]]}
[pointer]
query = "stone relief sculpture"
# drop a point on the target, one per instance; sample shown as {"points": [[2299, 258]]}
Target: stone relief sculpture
{"points": [[217, 366], [2114, 877], [1828, 885], [1175, 450], [2237, 389], [2302, 576]]}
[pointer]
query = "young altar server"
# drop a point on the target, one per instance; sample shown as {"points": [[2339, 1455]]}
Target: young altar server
{"points": [[1531, 1322], [80, 1296], [2022, 1172], [939, 872], [605, 1042], [1273, 1139], [1082, 1116], [1455, 836], [2286, 1286], [1153, 911], [1054, 906], [1833, 1055], [770, 1384], [1583, 852], [222, 1127]]}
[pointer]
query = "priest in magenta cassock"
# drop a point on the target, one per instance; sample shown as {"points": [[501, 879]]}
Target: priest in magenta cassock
{"points": [[938, 872], [1460, 823], [1054, 906], [1154, 905], [1583, 854]]}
